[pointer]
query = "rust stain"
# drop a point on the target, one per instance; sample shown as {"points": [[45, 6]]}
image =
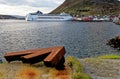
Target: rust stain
{"points": [[28, 73], [62, 74]]}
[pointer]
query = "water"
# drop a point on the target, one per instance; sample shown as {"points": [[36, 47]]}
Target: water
{"points": [[81, 39]]}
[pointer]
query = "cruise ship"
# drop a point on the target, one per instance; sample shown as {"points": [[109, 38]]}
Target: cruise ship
{"points": [[39, 16]]}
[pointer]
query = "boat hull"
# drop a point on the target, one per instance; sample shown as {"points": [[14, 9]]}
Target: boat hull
{"points": [[49, 18]]}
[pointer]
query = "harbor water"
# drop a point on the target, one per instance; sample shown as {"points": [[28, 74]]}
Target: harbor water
{"points": [[81, 39]]}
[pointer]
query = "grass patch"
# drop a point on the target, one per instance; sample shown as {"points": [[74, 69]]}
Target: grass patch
{"points": [[77, 68], [1, 75], [111, 56]]}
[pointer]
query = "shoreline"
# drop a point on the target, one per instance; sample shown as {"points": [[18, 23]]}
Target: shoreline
{"points": [[104, 67]]}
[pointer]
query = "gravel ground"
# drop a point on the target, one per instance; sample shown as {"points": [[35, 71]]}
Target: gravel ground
{"points": [[96, 68], [18, 70], [102, 68]]}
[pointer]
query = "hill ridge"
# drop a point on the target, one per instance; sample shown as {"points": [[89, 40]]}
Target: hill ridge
{"points": [[88, 7]]}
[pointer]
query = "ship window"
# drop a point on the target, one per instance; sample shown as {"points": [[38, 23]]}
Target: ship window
{"points": [[50, 17]]}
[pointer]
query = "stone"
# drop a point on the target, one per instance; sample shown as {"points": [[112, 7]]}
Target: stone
{"points": [[1, 61]]}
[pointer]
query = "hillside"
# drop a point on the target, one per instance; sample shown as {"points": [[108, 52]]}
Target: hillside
{"points": [[88, 7], [11, 17], [7, 17]]}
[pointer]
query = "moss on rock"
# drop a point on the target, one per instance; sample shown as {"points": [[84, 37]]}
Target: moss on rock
{"points": [[77, 68]]}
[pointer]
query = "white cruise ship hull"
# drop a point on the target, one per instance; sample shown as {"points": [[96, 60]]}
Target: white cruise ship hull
{"points": [[48, 17]]}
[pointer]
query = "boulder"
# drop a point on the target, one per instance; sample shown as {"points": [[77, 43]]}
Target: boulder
{"points": [[114, 42]]}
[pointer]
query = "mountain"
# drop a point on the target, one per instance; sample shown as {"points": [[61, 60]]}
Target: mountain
{"points": [[18, 16], [89, 7], [7, 17], [11, 17]]}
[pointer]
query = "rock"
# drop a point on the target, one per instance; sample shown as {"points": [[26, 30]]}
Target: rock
{"points": [[97, 77], [114, 42], [46, 76], [118, 22], [119, 72], [1, 61]]}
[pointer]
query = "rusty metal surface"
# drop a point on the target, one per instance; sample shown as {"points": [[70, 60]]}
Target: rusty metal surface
{"points": [[51, 55], [55, 56]]}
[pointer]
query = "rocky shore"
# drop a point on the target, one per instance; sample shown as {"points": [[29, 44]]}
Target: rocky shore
{"points": [[114, 42], [18, 70], [104, 67], [118, 22]]}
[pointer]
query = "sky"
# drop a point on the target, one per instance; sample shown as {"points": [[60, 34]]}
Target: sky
{"points": [[23, 7]]}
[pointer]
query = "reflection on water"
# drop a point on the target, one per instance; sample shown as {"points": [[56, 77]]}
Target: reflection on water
{"points": [[81, 39]]}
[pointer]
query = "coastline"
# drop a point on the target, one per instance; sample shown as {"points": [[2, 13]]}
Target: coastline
{"points": [[95, 68], [18, 70], [102, 68], [118, 22]]}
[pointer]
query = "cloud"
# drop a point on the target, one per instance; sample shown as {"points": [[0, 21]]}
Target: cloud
{"points": [[22, 7], [33, 3], [13, 2]]}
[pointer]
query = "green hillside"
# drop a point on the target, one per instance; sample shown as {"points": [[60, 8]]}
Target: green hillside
{"points": [[89, 7]]}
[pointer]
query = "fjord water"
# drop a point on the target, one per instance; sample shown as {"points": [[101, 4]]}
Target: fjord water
{"points": [[81, 39]]}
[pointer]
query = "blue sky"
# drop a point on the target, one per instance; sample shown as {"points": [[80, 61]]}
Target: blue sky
{"points": [[23, 7]]}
